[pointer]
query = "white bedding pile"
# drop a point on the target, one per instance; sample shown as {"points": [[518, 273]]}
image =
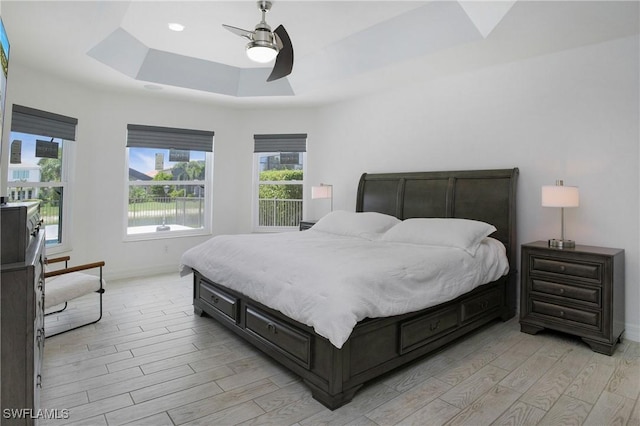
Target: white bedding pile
{"points": [[330, 281]]}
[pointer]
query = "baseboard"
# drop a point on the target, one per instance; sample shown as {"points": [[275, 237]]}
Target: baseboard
{"points": [[631, 332]]}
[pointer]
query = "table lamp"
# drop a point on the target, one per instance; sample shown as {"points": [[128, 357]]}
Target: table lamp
{"points": [[561, 196], [322, 191]]}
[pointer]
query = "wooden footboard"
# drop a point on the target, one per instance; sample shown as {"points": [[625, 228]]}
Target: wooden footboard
{"points": [[375, 347]]}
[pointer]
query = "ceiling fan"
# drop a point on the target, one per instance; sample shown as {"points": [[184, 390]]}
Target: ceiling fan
{"points": [[265, 45]]}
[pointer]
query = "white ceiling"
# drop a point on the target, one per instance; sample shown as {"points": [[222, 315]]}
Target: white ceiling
{"points": [[342, 49]]}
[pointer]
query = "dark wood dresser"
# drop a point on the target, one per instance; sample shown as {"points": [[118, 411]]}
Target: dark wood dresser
{"points": [[578, 291], [22, 312]]}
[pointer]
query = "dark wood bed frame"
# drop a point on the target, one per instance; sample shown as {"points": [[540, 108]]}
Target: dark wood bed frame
{"points": [[379, 345]]}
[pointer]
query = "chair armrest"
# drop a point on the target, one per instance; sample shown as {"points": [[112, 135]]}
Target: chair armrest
{"points": [[57, 259], [74, 269]]}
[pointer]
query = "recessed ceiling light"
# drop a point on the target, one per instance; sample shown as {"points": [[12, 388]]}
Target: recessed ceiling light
{"points": [[174, 26]]}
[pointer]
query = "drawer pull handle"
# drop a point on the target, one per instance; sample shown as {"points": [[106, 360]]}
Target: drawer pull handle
{"points": [[562, 268], [215, 299], [562, 291], [562, 313], [484, 304], [435, 326], [271, 327]]}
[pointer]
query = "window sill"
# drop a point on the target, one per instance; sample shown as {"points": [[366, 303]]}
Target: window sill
{"points": [[268, 229], [145, 233]]}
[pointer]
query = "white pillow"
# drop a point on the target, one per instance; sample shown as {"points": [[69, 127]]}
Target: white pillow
{"points": [[369, 225], [462, 233]]}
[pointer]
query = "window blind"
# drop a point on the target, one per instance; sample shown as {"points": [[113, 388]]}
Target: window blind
{"points": [[296, 142], [43, 123], [140, 136]]}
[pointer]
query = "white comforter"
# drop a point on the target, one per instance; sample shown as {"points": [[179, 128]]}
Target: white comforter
{"points": [[330, 282]]}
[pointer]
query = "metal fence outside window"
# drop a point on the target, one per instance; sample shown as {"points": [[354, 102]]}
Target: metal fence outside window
{"points": [[185, 211], [276, 212]]}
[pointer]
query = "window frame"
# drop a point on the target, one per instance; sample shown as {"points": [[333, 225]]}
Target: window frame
{"points": [[208, 204], [255, 215]]}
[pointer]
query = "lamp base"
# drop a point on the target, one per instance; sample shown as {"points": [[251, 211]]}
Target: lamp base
{"points": [[561, 244]]}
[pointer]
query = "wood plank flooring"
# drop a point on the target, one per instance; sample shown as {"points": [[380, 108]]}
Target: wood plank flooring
{"points": [[150, 361]]}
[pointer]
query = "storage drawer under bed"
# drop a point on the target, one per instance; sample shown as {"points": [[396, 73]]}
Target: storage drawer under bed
{"points": [[225, 303], [420, 331], [293, 343], [481, 304]]}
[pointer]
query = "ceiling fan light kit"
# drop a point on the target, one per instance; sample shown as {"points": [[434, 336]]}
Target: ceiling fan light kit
{"points": [[261, 54], [262, 47], [265, 45]]}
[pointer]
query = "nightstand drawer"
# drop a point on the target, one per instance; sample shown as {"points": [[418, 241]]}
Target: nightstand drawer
{"points": [[591, 271], [580, 294], [306, 224], [565, 313]]}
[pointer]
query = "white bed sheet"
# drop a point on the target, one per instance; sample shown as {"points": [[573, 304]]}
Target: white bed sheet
{"points": [[330, 282]]}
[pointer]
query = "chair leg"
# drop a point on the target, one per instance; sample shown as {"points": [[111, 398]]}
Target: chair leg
{"points": [[55, 312], [100, 292]]}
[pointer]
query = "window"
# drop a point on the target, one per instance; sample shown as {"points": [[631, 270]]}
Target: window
{"points": [[169, 182], [22, 175], [39, 168], [279, 162]]}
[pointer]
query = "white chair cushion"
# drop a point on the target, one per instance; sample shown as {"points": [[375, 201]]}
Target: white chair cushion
{"points": [[62, 288]]}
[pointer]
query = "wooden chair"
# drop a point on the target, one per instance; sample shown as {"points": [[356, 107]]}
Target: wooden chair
{"points": [[68, 283]]}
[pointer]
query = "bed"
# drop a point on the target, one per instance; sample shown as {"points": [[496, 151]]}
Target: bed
{"points": [[334, 361]]}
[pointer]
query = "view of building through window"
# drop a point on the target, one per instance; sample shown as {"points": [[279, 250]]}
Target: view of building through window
{"points": [[37, 172]]}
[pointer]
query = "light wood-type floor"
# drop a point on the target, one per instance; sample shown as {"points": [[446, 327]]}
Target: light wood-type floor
{"points": [[150, 361]]}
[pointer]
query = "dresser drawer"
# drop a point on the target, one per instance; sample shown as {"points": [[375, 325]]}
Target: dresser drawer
{"points": [[418, 332], [585, 295], [481, 304], [592, 319], [222, 301], [590, 271], [293, 343]]}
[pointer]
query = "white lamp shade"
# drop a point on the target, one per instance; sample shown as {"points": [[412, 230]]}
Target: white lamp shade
{"points": [[322, 191], [560, 196], [261, 54]]}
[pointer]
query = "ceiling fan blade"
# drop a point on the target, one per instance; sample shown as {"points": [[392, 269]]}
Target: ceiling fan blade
{"points": [[239, 31], [284, 60]]}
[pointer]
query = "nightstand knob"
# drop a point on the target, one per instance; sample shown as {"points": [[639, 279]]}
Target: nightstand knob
{"points": [[562, 268], [562, 313], [562, 291]]}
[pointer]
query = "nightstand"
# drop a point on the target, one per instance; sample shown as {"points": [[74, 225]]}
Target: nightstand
{"points": [[578, 291], [306, 224]]}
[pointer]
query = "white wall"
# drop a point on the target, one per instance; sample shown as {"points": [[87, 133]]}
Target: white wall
{"points": [[571, 115], [99, 191]]}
